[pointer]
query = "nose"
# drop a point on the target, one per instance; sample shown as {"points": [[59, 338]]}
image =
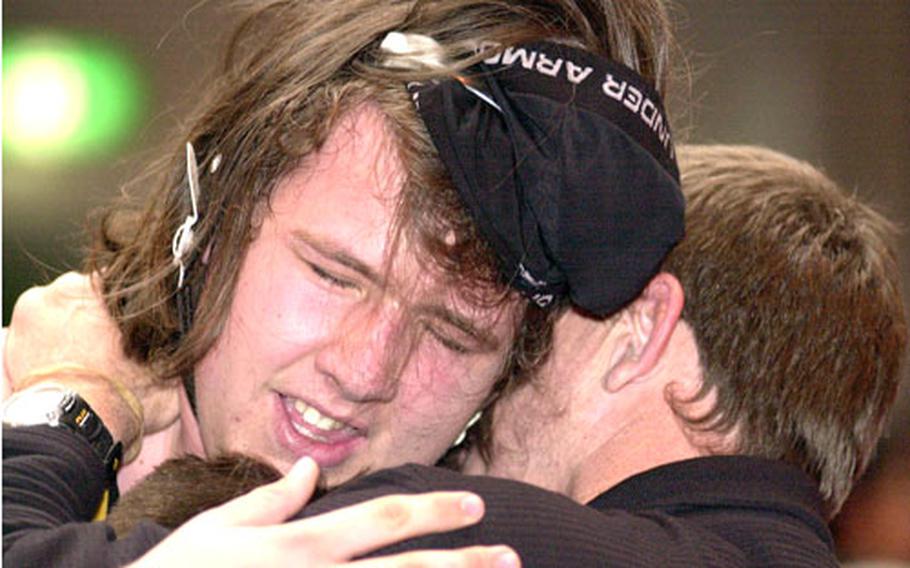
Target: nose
{"points": [[367, 351]]}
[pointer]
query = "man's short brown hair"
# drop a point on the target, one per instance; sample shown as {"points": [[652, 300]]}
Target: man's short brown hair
{"points": [[793, 293]]}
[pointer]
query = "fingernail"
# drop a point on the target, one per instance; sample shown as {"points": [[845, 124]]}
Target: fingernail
{"points": [[508, 559], [472, 505]]}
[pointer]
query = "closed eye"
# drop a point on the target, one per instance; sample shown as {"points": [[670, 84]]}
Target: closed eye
{"points": [[446, 341], [330, 278]]}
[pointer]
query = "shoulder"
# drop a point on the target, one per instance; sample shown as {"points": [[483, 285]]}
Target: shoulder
{"points": [[413, 478], [548, 529], [545, 528]]}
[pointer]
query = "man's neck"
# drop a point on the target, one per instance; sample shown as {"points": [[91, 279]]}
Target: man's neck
{"points": [[179, 439], [583, 463], [605, 469]]}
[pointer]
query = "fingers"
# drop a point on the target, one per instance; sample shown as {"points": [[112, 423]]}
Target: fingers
{"points": [[244, 531], [40, 332], [272, 503], [362, 528], [472, 557], [66, 323]]}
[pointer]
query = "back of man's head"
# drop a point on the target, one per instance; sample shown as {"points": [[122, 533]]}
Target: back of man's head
{"points": [[793, 294]]}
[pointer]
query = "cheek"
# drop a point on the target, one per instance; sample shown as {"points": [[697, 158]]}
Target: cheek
{"points": [[441, 387], [277, 313]]}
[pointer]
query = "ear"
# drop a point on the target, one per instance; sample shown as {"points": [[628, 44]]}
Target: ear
{"points": [[644, 329]]}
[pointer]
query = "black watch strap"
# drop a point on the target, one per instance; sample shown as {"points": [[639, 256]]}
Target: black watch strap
{"points": [[77, 416]]}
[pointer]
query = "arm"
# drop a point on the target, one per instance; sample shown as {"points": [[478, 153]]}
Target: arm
{"points": [[46, 521], [66, 325], [7, 383], [244, 532], [544, 528], [52, 482]]}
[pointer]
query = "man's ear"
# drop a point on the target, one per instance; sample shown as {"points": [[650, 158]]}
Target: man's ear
{"points": [[644, 329]]}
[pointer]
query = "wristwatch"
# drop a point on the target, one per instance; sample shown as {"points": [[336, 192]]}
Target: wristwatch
{"points": [[60, 407]]}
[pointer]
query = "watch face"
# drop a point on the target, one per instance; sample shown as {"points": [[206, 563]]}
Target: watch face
{"points": [[35, 405]]}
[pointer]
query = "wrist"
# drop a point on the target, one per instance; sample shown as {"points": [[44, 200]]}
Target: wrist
{"points": [[114, 404], [66, 403]]}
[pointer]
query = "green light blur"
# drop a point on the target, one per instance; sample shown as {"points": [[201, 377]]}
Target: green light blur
{"points": [[67, 97]]}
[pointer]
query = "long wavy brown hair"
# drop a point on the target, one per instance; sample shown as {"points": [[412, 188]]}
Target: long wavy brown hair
{"points": [[291, 69]]}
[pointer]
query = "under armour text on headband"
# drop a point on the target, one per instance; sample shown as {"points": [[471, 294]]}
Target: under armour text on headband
{"points": [[565, 161]]}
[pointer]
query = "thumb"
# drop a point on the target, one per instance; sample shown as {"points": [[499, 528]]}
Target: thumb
{"points": [[273, 503]]}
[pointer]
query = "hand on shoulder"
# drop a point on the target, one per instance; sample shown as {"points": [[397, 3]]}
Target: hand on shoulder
{"points": [[249, 530], [62, 330]]}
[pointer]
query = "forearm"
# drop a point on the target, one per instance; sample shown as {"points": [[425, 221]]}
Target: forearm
{"points": [[58, 461], [50, 477], [52, 486]]}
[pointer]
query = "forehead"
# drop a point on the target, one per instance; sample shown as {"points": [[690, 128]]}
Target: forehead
{"points": [[345, 197], [348, 190]]}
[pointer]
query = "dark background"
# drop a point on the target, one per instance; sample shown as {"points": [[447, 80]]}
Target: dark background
{"points": [[823, 80]]}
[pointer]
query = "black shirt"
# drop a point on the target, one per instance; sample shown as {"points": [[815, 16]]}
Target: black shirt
{"points": [[716, 511]]}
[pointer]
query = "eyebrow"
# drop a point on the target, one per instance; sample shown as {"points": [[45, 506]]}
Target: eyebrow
{"points": [[333, 251]]}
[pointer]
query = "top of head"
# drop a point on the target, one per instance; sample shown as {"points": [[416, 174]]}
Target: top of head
{"points": [[292, 69]]}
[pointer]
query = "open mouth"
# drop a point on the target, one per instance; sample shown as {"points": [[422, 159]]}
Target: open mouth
{"points": [[315, 419], [311, 423]]}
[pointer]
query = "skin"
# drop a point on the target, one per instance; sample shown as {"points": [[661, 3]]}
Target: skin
{"points": [[605, 398], [390, 364]]}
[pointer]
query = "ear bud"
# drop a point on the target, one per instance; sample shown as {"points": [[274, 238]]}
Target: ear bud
{"points": [[467, 427], [183, 236]]}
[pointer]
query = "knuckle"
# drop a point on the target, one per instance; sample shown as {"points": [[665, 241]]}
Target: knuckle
{"points": [[71, 279], [393, 513], [466, 558], [27, 302], [263, 498], [425, 559]]}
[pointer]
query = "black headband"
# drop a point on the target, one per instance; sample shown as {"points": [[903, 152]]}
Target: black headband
{"points": [[566, 163]]}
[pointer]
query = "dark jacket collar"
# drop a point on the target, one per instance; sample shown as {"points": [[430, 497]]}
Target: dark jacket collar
{"points": [[721, 481]]}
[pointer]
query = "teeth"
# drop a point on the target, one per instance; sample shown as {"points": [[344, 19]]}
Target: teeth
{"points": [[315, 418], [326, 423], [311, 416]]}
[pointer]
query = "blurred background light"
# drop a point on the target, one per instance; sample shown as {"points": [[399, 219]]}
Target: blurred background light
{"points": [[67, 97]]}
